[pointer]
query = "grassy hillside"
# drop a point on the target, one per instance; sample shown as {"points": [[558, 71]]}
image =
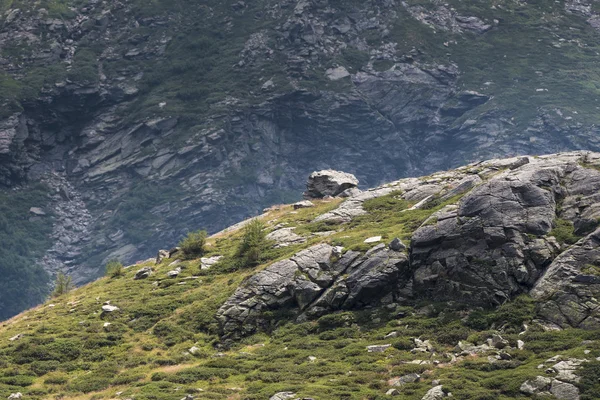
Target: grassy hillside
{"points": [[163, 342]]}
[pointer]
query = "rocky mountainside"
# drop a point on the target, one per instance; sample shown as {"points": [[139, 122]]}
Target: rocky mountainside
{"points": [[480, 282], [149, 119]]}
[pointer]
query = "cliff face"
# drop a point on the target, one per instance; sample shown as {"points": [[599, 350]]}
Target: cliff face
{"points": [[148, 120]]}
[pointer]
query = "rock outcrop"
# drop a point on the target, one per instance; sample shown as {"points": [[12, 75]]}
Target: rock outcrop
{"points": [[329, 183], [570, 288], [311, 283], [493, 240]]}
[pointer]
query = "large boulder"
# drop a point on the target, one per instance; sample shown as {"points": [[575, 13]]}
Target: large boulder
{"points": [[328, 183], [492, 245], [293, 283], [313, 282], [569, 290], [435, 393]]}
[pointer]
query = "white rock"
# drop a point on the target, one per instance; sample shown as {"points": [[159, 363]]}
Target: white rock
{"points": [[378, 348], [174, 273], [282, 396], [435, 393], [536, 385], [564, 391], [335, 74], [303, 204], [373, 239], [108, 308], [37, 211], [208, 262]]}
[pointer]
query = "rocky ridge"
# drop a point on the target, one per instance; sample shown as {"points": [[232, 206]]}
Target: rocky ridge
{"points": [[492, 242]]}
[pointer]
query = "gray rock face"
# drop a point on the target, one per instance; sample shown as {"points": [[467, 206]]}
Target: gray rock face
{"points": [[489, 246], [435, 393], [311, 284], [303, 204], [107, 308], [282, 396], [564, 391], [536, 385], [328, 183], [403, 380], [570, 287], [492, 246], [285, 237], [143, 273]]}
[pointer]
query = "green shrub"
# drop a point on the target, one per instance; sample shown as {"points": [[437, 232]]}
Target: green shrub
{"points": [[158, 376], [43, 367], [590, 380], [193, 244], [114, 269], [63, 285], [564, 232], [336, 320], [56, 379], [91, 382], [253, 244], [191, 375], [127, 378], [18, 380], [510, 316], [403, 344], [390, 203], [170, 333]]}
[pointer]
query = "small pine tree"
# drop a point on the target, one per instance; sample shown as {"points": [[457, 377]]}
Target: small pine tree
{"points": [[193, 244], [114, 269], [253, 244], [63, 285]]}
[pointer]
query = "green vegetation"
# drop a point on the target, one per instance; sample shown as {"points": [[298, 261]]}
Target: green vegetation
{"points": [[163, 343], [193, 244], [590, 269], [24, 238], [253, 244], [564, 232], [114, 269], [62, 285]]}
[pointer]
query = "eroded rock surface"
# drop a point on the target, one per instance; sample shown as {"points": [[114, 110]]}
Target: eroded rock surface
{"points": [[310, 284], [492, 241], [329, 183]]}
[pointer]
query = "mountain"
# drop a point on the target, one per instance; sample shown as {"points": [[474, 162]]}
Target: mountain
{"points": [[480, 282], [145, 120]]}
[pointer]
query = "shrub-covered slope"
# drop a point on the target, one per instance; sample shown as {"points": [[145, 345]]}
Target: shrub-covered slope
{"points": [[163, 336]]}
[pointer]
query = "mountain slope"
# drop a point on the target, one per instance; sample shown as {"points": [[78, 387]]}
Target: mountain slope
{"points": [[163, 337], [161, 117]]}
